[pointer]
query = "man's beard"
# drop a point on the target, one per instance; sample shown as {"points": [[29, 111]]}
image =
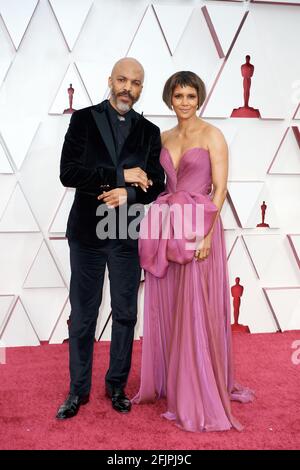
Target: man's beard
{"points": [[123, 107]]}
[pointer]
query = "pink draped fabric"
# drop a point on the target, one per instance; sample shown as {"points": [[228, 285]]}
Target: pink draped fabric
{"points": [[178, 211], [187, 354]]}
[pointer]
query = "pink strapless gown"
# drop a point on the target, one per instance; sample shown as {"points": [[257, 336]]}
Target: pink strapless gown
{"points": [[187, 335]]}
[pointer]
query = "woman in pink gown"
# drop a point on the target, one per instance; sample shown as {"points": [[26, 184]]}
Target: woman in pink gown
{"points": [[186, 353]]}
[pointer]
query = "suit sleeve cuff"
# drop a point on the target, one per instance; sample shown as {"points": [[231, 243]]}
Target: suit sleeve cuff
{"points": [[131, 195], [120, 178]]}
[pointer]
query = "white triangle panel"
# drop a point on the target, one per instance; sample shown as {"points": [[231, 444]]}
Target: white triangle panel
{"points": [[17, 15], [227, 216], [163, 122], [71, 16], [294, 241], [7, 55], [149, 53], [60, 249], [95, 78], [286, 305], [296, 114], [230, 240], [2, 353], [225, 30], [17, 216], [40, 172], [253, 148], [189, 54], [287, 160], [17, 251], [270, 212], [254, 309], [59, 222], [60, 331], [7, 185], [244, 196], [284, 196], [4, 67], [294, 322], [273, 259], [6, 302], [262, 249], [18, 137], [80, 96], [43, 272], [18, 330], [281, 2], [5, 166], [173, 20], [44, 307], [228, 93]]}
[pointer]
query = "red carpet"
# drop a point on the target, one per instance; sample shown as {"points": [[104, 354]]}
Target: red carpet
{"points": [[35, 381]]}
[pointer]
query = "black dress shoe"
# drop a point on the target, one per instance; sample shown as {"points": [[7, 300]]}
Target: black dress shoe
{"points": [[71, 406], [120, 402]]}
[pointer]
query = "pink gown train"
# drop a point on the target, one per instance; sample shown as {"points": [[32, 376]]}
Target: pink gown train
{"points": [[187, 355]]}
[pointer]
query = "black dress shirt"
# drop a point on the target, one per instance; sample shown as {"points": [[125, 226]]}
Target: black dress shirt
{"points": [[121, 126]]}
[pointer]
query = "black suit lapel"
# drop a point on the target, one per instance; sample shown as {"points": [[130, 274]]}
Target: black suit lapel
{"points": [[101, 119], [133, 141]]}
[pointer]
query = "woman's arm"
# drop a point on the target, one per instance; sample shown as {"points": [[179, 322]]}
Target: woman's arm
{"points": [[218, 151]]}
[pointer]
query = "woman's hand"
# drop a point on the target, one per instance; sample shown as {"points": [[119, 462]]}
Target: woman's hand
{"points": [[150, 183], [203, 250], [137, 176]]}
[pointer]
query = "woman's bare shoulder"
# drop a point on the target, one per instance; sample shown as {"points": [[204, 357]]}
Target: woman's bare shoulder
{"points": [[215, 139], [213, 132]]}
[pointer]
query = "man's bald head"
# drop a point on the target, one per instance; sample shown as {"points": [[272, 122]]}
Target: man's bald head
{"points": [[128, 63], [126, 83]]}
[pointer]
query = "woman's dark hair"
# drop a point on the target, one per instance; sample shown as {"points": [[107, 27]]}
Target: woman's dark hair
{"points": [[183, 79]]}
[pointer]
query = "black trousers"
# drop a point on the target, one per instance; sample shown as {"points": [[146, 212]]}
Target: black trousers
{"points": [[87, 275]]}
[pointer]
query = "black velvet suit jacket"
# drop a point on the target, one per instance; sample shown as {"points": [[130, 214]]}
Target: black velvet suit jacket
{"points": [[89, 163]]}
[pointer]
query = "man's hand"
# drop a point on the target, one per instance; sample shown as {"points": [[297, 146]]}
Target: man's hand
{"points": [[114, 198], [137, 176]]}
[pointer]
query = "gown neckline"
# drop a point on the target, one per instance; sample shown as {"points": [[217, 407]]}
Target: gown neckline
{"points": [[182, 156]]}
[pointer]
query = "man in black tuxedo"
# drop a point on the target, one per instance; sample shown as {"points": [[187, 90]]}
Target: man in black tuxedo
{"points": [[111, 156]]}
